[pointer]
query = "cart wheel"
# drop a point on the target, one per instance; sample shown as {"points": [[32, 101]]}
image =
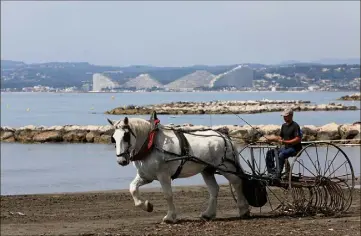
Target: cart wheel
{"points": [[321, 179], [252, 158]]}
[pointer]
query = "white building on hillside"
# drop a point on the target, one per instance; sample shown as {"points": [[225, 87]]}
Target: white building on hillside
{"points": [[239, 77], [101, 82]]}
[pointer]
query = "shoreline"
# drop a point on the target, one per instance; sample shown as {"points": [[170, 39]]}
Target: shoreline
{"points": [[175, 188], [144, 189]]}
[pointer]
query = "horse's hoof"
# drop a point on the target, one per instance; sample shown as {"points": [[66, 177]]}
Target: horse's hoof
{"points": [[207, 217], [149, 206], [167, 220], [246, 215]]}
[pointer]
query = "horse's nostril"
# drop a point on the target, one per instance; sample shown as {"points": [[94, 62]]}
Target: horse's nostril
{"points": [[123, 163]]}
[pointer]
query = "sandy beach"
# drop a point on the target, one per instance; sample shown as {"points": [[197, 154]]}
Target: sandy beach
{"points": [[113, 213]]}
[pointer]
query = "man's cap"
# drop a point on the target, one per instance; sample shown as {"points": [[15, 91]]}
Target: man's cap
{"points": [[287, 112]]}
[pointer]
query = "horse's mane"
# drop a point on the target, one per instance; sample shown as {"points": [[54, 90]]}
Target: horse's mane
{"points": [[140, 126], [136, 123], [139, 123]]}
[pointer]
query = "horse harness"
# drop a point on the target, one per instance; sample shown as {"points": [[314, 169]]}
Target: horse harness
{"points": [[184, 155]]}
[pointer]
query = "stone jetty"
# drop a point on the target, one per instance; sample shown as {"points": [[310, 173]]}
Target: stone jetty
{"points": [[241, 134], [352, 97], [227, 107]]}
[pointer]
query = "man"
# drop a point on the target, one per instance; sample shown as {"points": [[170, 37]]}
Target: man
{"points": [[290, 136]]}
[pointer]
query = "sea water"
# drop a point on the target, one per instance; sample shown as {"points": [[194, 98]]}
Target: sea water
{"points": [[49, 168]]}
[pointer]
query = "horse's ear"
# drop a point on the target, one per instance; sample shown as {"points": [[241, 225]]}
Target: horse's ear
{"points": [[153, 116], [110, 122], [126, 121]]}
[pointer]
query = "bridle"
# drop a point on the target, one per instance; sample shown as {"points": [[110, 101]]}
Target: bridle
{"points": [[127, 132]]}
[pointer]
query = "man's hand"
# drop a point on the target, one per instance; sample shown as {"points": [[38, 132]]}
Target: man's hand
{"points": [[293, 141], [273, 138]]}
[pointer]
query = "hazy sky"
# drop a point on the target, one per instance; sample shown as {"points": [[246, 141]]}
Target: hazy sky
{"points": [[179, 33]]}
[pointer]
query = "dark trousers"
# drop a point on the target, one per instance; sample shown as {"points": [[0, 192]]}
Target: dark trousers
{"points": [[283, 154]]}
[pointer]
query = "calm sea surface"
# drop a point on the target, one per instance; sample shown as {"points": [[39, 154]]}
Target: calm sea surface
{"points": [[19, 109], [47, 168], [50, 168]]}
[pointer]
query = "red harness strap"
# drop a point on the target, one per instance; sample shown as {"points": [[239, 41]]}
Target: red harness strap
{"points": [[152, 135]]}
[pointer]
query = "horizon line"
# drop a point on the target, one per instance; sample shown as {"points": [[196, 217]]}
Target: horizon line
{"points": [[285, 62]]}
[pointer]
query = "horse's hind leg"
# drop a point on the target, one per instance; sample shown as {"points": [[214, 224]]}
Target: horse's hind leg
{"points": [[213, 189], [242, 203], [134, 191]]}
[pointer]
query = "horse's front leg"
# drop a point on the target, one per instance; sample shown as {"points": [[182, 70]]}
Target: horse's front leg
{"points": [[134, 191], [166, 183]]}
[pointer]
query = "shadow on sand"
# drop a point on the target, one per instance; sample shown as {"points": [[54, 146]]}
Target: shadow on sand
{"points": [[265, 216]]}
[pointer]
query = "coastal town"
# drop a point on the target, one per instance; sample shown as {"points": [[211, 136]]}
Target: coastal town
{"points": [[84, 77]]}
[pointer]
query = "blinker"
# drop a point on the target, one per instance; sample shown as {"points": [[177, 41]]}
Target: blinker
{"points": [[126, 137]]}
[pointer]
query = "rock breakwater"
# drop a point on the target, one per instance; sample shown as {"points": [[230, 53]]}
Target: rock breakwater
{"points": [[227, 107], [102, 134], [352, 97]]}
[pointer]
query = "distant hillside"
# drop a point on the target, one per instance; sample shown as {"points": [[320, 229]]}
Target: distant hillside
{"points": [[337, 61], [8, 64], [325, 61], [17, 74], [199, 78], [54, 74], [143, 81], [317, 72]]}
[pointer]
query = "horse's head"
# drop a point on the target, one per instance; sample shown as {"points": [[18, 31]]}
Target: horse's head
{"points": [[124, 139], [128, 137]]}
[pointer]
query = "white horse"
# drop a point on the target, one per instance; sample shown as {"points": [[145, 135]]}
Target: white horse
{"points": [[130, 136]]}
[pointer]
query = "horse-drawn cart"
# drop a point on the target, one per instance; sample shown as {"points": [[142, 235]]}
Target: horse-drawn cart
{"points": [[319, 179]]}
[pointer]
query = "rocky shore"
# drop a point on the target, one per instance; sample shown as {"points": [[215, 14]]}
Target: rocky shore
{"points": [[102, 134], [352, 97], [227, 107]]}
